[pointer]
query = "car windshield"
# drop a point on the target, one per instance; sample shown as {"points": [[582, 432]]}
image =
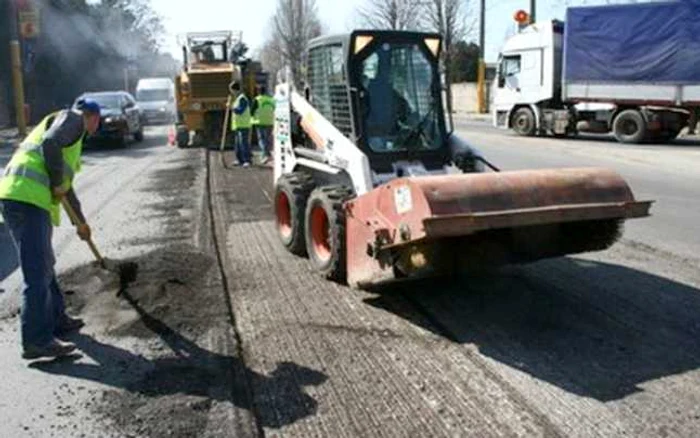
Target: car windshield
{"points": [[110, 101], [400, 109], [152, 95]]}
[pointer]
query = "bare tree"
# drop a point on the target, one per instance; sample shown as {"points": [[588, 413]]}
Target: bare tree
{"points": [[391, 14], [454, 21], [295, 23], [271, 58]]}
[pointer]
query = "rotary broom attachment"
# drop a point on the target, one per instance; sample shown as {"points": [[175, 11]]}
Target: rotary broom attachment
{"points": [[440, 224]]}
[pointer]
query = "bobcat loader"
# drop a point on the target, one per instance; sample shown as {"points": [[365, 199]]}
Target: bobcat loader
{"points": [[372, 184]]}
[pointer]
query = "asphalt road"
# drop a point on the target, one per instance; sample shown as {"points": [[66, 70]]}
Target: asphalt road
{"points": [[225, 333], [667, 174]]}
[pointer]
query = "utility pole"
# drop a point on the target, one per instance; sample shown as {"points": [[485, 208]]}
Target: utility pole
{"points": [[16, 60], [481, 101], [532, 11]]}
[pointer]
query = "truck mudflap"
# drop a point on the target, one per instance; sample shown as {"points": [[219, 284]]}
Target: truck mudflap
{"points": [[430, 225]]}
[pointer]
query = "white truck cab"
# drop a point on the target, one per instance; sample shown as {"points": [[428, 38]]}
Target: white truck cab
{"points": [[529, 73]]}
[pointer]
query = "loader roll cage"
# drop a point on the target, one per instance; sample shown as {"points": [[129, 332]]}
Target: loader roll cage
{"points": [[382, 89]]}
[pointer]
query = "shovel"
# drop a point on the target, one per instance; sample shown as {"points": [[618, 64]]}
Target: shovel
{"points": [[126, 270]]}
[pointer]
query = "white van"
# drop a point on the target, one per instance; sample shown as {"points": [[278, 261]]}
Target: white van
{"points": [[156, 99]]}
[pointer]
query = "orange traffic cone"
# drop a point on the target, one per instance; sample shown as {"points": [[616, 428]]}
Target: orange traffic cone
{"points": [[171, 135]]}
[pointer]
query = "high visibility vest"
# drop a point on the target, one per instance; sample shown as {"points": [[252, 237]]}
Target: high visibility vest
{"points": [[241, 121], [26, 179], [265, 114]]}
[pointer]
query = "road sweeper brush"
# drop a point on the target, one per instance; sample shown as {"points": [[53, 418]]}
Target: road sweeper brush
{"points": [[372, 184]]}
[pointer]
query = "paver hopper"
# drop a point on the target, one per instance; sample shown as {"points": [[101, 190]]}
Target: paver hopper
{"points": [[406, 197]]}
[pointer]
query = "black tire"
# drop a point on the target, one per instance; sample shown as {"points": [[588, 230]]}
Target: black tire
{"points": [[630, 127], [291, 194], [324, 229], [138, 136], [523, 122]]}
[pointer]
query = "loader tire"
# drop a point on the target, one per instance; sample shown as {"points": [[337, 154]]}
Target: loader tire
{"points": [[325, 231], [291, 194]]}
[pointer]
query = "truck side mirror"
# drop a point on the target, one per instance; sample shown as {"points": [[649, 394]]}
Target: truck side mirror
{"points": [[501, 81]]}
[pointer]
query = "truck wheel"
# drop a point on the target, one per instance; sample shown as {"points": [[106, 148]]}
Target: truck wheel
{"points": [[291, 194], [325, 231], [523, 122], [629, 127]]}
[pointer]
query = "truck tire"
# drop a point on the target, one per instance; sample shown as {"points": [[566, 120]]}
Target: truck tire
{"points": [[291, 194], [325, 231], [523, 122], [630, 127]]}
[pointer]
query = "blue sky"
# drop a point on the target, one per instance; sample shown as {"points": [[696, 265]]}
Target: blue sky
{"points": [[252, 18]]}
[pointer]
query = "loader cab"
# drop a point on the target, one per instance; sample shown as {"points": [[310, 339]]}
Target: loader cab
{"points": [[382, 89]]}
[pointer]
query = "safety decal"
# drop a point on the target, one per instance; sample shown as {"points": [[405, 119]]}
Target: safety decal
{"points": [[402, 199]]}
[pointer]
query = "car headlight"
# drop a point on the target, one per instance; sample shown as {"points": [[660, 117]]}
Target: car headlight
{"points": [[114, 119]]}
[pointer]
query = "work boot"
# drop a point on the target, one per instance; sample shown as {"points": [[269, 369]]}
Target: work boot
{"points": [[55, 348], [68, 324]]}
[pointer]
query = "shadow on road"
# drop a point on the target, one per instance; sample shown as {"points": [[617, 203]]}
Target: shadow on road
{"points": [[194, 371], [594, 329]]}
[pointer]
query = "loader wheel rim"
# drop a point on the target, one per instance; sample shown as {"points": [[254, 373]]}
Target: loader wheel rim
{"points": [[284, 215], [320, 233]]}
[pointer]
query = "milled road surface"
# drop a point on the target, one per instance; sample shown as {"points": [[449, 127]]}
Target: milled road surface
{"points": [[224, 333]]}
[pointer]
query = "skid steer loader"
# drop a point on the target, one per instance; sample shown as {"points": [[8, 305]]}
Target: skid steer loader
{"points": [[372, 184]]}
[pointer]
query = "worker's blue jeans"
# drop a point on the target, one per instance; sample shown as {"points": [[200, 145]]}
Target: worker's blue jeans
{"points": [[42, 301], [265, 140], [243, 145]]}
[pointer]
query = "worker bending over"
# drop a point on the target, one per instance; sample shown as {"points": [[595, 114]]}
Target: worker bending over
{"points": [[38, 176]]}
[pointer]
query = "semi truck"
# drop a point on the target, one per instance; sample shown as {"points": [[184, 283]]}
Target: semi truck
{"points": [[630, 70]]}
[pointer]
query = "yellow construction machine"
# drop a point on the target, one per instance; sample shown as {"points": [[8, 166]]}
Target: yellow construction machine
{"points": [[210, 64]]}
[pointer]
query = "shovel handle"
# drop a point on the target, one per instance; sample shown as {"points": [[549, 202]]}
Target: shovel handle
{"points": [[77, 221]]}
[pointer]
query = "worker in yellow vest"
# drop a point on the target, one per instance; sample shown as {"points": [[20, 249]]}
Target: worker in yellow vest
{"points": [[263, 121], [38, 176], [241, 123]]}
